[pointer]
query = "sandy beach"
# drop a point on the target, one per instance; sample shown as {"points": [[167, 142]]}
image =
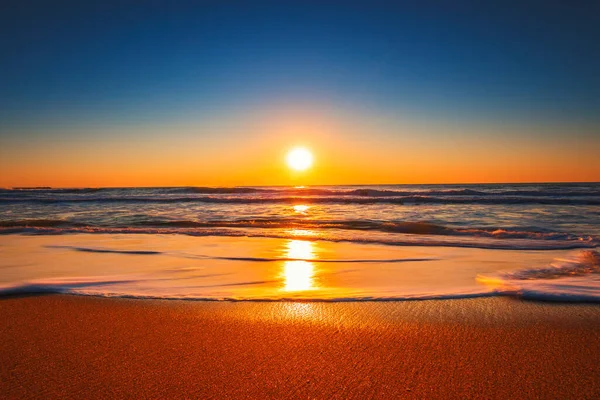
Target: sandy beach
{"points": [[299, 200], [60, 346]]}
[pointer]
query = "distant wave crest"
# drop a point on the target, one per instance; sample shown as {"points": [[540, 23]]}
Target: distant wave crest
{"points": [[477, 194], [481, 190], [308, 199]]}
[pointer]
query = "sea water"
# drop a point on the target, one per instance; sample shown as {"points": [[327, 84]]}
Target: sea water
{"points": [[390, 242]]}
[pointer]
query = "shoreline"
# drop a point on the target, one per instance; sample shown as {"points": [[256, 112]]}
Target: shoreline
{"points": [[225, 268], [62, 346]]}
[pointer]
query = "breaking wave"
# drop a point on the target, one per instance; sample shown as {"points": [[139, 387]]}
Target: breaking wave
{"points": [[102, 288], [567, 279], [484, 237]]}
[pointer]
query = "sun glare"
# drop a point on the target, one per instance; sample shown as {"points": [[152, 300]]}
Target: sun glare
{"points": [[299, 273], [299, 159], [301, 208]]}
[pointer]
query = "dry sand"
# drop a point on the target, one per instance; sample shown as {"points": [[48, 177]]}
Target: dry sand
{"points": [[84, 347]]}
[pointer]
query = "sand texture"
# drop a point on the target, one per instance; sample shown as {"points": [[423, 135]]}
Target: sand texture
{"points": [[494, 348]]}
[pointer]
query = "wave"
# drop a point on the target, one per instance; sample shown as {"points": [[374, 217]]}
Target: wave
{"points": [[573, 279], [584, 263], [83, 288], [498, 243], [327, 192], [61, 285], [573, 291], [414, 228], [399, 200], [565, 290], [39, 223], [480, 190], [542, 190], [43, 189]]}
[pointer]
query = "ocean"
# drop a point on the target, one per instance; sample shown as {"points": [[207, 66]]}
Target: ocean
{"points": [[385, 242]]}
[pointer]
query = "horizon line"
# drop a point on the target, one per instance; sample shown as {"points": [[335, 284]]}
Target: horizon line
{"points": [[42, 187]]}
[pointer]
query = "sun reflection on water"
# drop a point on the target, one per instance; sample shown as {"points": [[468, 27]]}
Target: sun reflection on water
{"points": [[301, 208], [299, 273], [301, 249]]}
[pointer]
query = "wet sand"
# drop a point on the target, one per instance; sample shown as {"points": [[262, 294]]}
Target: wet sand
{"points": [[60, 346], [234, 268]]}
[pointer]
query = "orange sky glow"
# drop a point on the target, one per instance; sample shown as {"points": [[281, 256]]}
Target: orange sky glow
{"points": [[251, 151]]}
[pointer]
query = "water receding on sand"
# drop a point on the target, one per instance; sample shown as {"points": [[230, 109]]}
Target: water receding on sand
{"points": [[225, 268]]}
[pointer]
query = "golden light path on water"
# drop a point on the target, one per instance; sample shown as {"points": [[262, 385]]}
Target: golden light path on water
{"points": [[301, 208], [298, 275]]}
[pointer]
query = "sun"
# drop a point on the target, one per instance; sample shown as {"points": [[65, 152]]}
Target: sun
{"points": [[299, 159]]}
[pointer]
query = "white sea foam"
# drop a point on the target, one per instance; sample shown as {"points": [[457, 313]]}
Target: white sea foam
{"points": [[133, 288], [567, 279]]}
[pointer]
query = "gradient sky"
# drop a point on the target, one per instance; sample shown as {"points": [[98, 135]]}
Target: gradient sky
{"points": [[215, 92]]}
